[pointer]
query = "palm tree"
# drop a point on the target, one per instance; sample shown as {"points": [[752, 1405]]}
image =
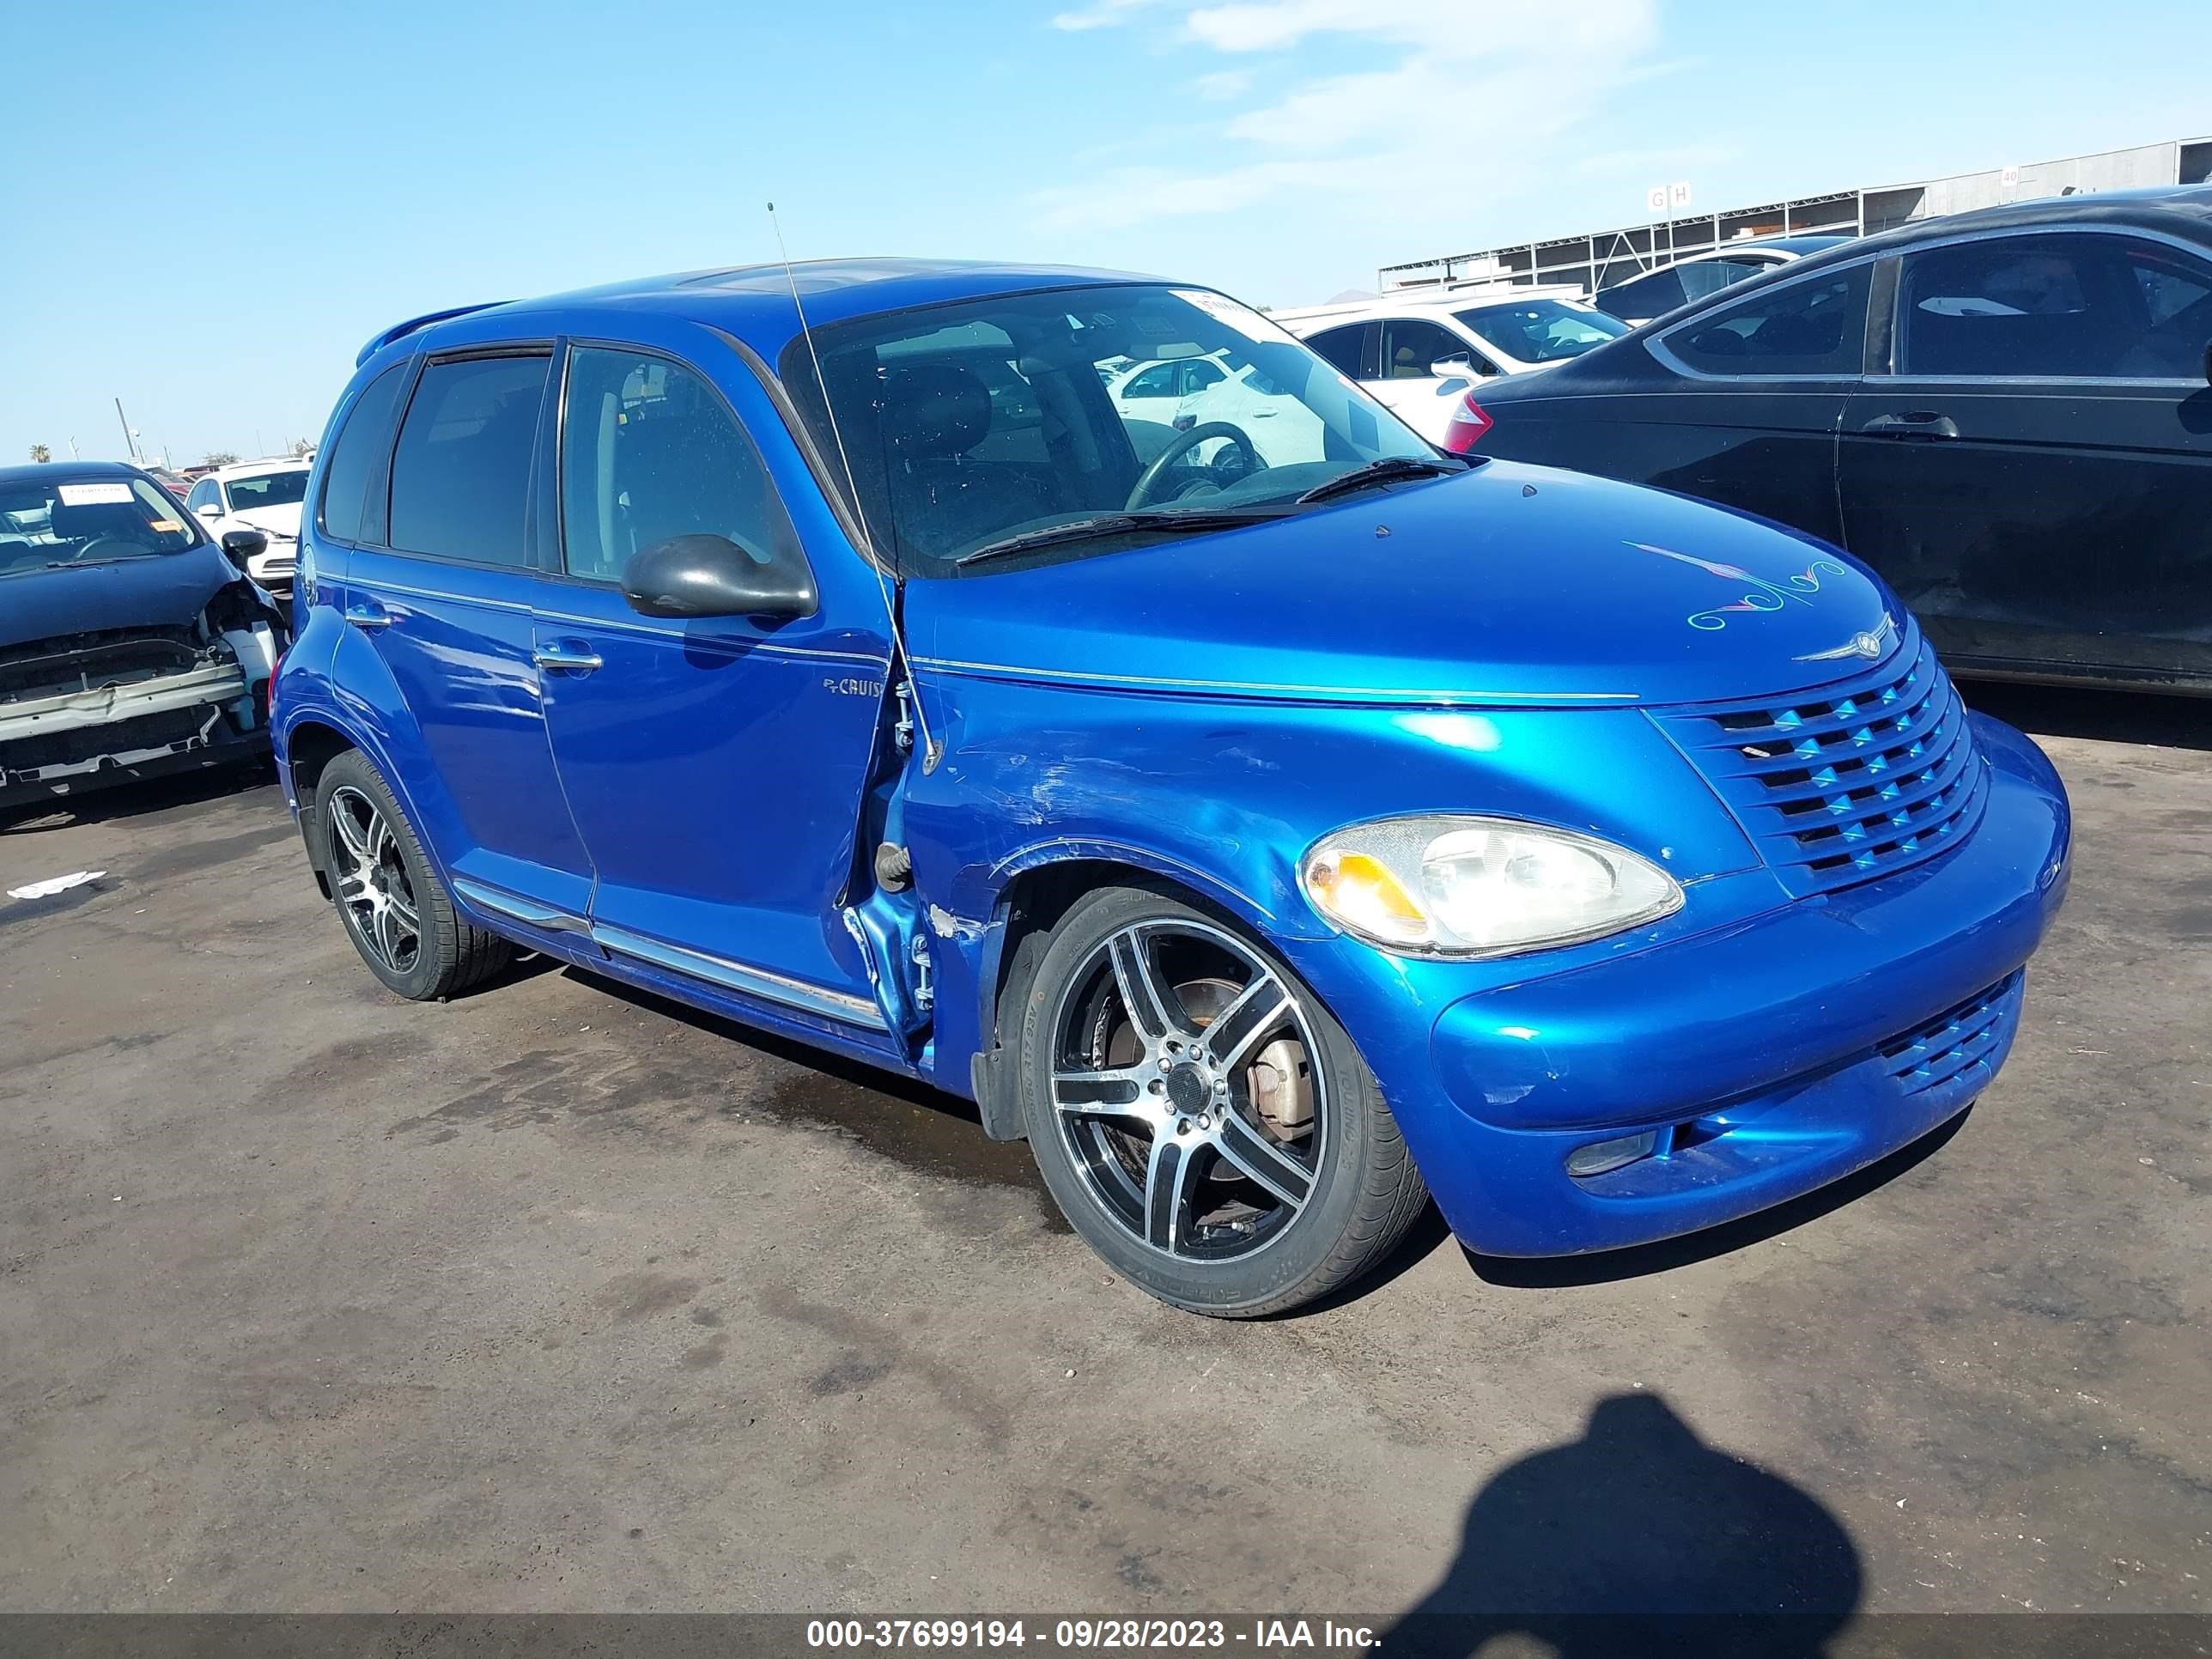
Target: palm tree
{"points": [[41, 454]]}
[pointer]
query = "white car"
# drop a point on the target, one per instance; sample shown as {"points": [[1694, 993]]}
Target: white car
{"points": [[1184, 393], [265, 495], [1424, 353]]}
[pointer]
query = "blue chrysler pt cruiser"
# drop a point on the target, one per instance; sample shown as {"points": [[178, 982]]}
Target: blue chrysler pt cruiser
{"points": [[1275, 820]]}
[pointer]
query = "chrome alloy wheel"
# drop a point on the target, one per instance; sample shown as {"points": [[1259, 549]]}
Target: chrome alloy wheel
{"points": [[1186, 1091], [371, 879]]}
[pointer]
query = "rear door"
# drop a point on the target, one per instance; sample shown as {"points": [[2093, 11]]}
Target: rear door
{"points": [[716, 765], [2034, 475], [439, 588]]}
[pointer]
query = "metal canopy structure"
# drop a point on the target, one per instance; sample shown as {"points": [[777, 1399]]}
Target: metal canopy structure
{"points": [[1600, 259]]}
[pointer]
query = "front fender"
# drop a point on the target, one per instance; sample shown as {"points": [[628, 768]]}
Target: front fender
{"points": [[1223, 798]]}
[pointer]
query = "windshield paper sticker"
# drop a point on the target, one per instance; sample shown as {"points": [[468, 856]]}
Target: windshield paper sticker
{"points": [[1245, 321], [1764, 595], [95, 495]]}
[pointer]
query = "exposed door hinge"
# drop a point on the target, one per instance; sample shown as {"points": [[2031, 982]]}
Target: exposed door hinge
{"points": [[924, 994], [903, 730]]}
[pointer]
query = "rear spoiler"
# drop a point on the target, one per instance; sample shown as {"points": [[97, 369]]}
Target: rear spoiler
{"points": [[401, 330]]}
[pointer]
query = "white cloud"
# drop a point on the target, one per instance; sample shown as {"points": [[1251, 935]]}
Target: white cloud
{"points": [[1446, 107], [1101, 14]]}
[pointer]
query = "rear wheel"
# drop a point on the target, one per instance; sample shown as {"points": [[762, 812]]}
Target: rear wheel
{"points": [[396, 911], [1201, 1119]]}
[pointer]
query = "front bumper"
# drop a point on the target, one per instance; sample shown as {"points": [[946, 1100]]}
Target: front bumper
{"points": [[1770, 1056], [70, 741]]}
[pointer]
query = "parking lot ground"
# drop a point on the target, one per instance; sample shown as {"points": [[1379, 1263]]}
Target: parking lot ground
{"points": [[558, 1298]]}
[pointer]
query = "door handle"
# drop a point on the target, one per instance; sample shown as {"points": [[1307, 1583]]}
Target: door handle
{"points": [[569, 656], [1913, 423], [367, 615]]}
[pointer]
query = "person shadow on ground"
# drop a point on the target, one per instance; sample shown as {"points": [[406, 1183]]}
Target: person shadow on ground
{"points": [[1638, 1539]]}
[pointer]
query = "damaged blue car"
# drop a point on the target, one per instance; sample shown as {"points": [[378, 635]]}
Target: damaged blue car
{"points": [[1276, 820], [131, 644]]}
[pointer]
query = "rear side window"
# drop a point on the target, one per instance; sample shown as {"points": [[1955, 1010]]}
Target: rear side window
{"points": [[2054, 307], [460, 477], [361, 445], [1814, 327], [648, 453], [1341, 347]]}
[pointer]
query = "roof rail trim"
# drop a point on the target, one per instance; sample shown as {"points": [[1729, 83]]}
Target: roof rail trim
{"points": [[401, 330]]}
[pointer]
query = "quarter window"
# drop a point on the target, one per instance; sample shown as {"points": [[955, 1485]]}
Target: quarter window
{"points": [[361, 447], [2054, 307], [648, 453], [1816, 326], [460, 477]]}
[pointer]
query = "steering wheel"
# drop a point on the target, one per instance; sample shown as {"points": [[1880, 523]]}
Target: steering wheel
{"points": [[1140, 493]]}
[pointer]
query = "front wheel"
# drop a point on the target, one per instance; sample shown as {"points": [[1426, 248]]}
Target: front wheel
{"points": [[1199, 1117], [396, 910]]}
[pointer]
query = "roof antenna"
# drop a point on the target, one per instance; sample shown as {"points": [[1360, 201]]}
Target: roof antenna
{"points": [[931, 752]]}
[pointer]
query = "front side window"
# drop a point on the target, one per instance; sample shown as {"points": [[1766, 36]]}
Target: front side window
{"points": [[205, 493], [648, 453], [1410, 346], [948, 464], [60, 521], [2078, 307], [460, 477], [1815, 327], [1644, 296], [1541, 331], [1158, 381], [1341, 349]]}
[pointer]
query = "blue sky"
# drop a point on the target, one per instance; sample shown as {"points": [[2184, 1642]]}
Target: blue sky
{"points": [[209, 209]]}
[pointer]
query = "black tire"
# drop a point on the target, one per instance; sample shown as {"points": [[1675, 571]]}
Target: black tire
{"points": [[1362, 1191], [449, 956]]}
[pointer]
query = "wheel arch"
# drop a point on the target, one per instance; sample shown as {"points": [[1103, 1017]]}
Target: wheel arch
{"points": [[1031, 893]]}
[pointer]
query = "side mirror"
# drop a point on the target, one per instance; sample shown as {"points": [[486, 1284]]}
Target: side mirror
{"points": [[713, 576], [212, 510], [1457, 367], [242, 544]]}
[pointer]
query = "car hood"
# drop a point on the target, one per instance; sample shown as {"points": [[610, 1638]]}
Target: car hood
{"points": [[1509, 584], [164, 590], [281, 520]]}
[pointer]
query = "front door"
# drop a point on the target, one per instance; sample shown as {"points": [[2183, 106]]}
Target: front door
{"points": [[1423, 401], [1747, 414], [2035, 476], [446, 606], [714, 765]]}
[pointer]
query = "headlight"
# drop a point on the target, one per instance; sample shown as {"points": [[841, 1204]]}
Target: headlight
{"points": [[1451, 886]]}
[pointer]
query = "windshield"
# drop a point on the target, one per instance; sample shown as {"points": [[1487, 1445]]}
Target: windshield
{"points": [[285, 488], [1541, 331], [61, 520], [975, 424]]}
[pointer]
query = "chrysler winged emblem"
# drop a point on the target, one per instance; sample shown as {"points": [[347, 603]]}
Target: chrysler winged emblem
{"points": [[1868, 646]]}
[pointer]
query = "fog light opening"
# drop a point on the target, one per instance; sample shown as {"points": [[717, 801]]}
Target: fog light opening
{"points": [[1604, 1157]]}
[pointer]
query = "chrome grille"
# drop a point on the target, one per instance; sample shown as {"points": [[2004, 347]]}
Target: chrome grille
{"points": [[1850, 780]]}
